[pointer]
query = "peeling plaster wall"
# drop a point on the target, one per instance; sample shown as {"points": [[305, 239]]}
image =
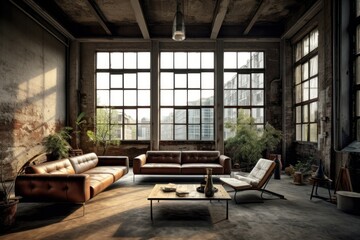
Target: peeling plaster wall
{"points": [[32, 92]]}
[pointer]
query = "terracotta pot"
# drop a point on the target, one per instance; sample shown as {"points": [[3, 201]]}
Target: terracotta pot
{"points": [[8, 214]]}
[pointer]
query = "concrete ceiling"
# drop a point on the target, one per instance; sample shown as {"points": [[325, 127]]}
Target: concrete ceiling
{"points": [[152, 19]]}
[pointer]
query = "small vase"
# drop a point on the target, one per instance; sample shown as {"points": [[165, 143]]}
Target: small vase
{"points": [[209, 187]]}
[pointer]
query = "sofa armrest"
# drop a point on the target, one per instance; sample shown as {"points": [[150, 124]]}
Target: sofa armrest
{"points": [[138, 162], [114, 161], [73, 188], [225, 161]]}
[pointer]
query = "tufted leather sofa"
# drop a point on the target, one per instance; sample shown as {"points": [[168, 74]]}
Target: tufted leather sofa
{"points": [[75, 179], [181, 163]]}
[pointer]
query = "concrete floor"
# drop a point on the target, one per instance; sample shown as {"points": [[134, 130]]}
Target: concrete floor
{"points": [[122, 212]]}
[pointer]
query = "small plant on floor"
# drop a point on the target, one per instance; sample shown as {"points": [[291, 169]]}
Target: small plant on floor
{"points": [[57, 144]]}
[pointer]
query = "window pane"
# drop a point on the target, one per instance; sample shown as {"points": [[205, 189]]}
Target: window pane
{"points": [[130, 80], [116, 116], [144, 80], [304, 132], [194, 60], [166, 60], [305, 46], [130, 132], [143, 132], [166, 132], [305, 71], [193, 80], [257, 60], [116, 97], [313, 112], [298, 132], [357, 8], [207, 80], [207, 60], [243, 60], [230, 80], [194, 116], [314, 66], [102, 60], [313, 132], [313, 88], [298, 74], [130, 60], [298, 52], [194, 97], [305, 113], [194, 132], [180, 97], [180, 81], [257, 97], [116, 60], [180, 132], [130, 115], [180, 115], [298, 93], [244, 97], [207, 97], [257, 80], [143, 60], [180, 60], [207, 115], [230, 97], [314, 35], [230, 60], [144, 98], [244, 81], [357, 103], [144, 115], [130, 98], [358, 39], [166, 80], [305, 91], [102, 80], [116, 80], [166, 98], [166, 115], [230, 115], [298, 114], [102, 97], [357, 70], [258, 115], [207, 132]]}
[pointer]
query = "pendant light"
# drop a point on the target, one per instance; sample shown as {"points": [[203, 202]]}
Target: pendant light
{"points": [[178, 30]]}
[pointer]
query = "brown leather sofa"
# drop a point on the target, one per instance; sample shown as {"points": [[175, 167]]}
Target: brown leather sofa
{"points": [[181, 163], [75, 179]]}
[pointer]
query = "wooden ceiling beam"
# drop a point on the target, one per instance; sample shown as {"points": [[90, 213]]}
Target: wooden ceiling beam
{"points": [[99, 15], [140, 18], [219, 16], [263, 4]]}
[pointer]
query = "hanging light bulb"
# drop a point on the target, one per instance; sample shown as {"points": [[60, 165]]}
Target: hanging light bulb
{"points": [[178, 31]]}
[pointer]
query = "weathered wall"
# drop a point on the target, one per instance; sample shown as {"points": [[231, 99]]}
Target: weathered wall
{"points": [[32, 87]]}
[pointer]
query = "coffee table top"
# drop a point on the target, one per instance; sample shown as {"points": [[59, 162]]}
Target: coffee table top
{"points": [[158, 194]]}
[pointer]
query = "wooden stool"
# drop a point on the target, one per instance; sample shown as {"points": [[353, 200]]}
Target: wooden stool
{"points": [[316, 182]]}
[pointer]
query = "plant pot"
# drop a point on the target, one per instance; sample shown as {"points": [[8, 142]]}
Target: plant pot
{"points": [[8, 214]]}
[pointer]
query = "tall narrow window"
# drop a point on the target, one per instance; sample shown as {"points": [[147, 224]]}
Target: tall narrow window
{"points": [[306, 87], [244, 74], [123, 95], [187, 96]]}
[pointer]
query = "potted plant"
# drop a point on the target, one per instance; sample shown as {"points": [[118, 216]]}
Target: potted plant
{"points": [[79, 122], [249, 142], [57, 144]]}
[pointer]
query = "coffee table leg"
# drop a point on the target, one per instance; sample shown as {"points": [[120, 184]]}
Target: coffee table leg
{"points": [[227, 209], [151, 213]]}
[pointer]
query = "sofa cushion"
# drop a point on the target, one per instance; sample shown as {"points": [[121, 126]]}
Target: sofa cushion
{"points": [[200, 157], [116, 171], [84, 162], [200, 168], [163, 157], [62, 166], [98, 182], [161, 168]]}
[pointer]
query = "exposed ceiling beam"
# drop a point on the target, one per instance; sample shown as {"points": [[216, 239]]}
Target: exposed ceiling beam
{"points": [[220, 12], [140, 18], [99, 15], [263, 4]]}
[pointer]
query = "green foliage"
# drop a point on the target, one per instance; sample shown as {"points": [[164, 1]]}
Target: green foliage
{"points": [[57, 144], [304, 165], [79, 122], [102, 136], [250, 142]]}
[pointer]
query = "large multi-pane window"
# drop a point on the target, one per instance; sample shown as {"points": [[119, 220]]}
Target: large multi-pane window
{"points": [[123, 95], [187, 96], [244, 74], [306, 87]]}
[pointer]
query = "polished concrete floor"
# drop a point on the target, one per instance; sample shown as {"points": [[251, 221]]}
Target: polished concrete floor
{"points": [[123, 212]]}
